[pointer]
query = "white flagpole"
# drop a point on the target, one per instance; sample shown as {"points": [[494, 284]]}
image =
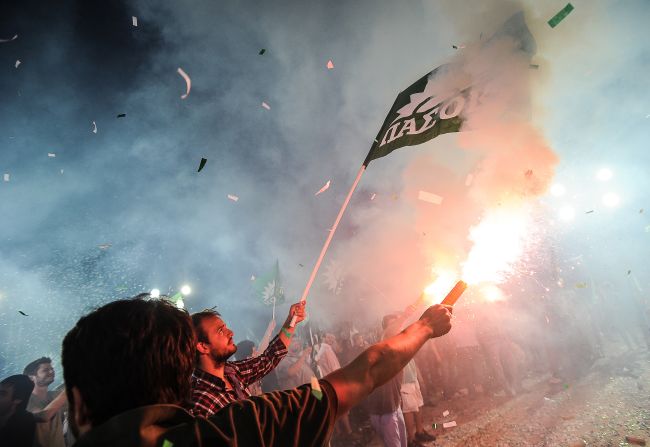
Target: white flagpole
{"points": [[329, 239]]}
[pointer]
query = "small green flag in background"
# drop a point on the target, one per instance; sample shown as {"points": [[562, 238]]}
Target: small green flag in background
{"points": [[268, 288]]}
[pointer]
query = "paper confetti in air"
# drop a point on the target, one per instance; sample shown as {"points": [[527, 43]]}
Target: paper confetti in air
{"points": [[94, 127], [23, 313], [581, 285], [233, 198], [324, 188], [262, 51], [557, 18], [315, 388], [252, 277], [202, 164], [51, 154], [167, 443], [135, 20], [534, 66], [449, 424], [445, 413], [330, 64], [372, 197], [17, 63], [469, 179], [104, 246], [9, 40], [266, 106], [121, 115], [6, 177], [429, 197], [188, 82]]}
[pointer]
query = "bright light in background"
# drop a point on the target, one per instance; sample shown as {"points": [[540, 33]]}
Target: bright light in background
{"points": [[186, 290], [437, 290], [155, 293], [567, 213], [558, 190], [492, 293], [611, 199], [604, 174], [498, 245]]}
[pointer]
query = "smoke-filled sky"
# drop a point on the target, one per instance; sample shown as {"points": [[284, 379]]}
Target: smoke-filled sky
{"points": [[134, 183]]}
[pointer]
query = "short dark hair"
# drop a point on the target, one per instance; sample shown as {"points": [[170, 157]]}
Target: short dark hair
{"points": [[22, 387], [32, 368], [197, 319], [244, 349], [127, 354]]}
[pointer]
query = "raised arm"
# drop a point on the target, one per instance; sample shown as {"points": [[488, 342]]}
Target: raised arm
{"points": [[52, 408], [383, 360]]}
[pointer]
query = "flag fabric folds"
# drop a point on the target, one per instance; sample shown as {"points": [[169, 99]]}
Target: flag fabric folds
{"points": [[433, 106]]}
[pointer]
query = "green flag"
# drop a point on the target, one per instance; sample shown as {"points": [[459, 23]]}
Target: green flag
{"points": [[268, 288], [427, 108]]}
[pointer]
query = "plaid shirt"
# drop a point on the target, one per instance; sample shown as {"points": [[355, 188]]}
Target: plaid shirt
{"points": [[209, 393]]}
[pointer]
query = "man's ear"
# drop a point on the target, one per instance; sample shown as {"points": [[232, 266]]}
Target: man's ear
{"points": [[202, 348], [80, 412]]}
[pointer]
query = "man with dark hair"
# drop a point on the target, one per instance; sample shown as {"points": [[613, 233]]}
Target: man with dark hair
{"points": [[48, 432], [216, 382], [127, 369], [17, 425]]}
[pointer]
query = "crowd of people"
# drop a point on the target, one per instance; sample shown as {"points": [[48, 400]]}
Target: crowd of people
{"points": [[142, 372]]}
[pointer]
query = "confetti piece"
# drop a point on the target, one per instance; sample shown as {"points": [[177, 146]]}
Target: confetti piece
{"points": [[61, 171], [528, 173], [233, 198], [445, 413], [94, 127], [301, 265], [449, 424], [581, 285], [315, 388], [202, 164], [6, 177], [51, 154], [629, 271], [330, 64], [188, 82], [373, 196], [9, 40], [429, 197], [434, 426], [17, 63], [266, 106], [589, 212], [634, 440], [23, 313], [262, 51], [104, 246], [647, 229], [135, 20], [557, 18], [121, 115], [641, 211], [167, 443], [469, 179], [534, 66], [252, 277], [324, 188]]}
